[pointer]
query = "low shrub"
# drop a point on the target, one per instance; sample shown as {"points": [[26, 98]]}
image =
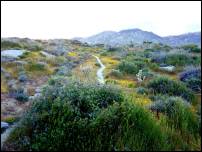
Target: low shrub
{"points": [[179, 114], [192, 78], [164, 85], [142, 90], [36, 67], [54, 125], [20, 95], [22, 76], [10, 45], [116, 73], [131, 67], [182, 59], [192, 48], [181, 117]]}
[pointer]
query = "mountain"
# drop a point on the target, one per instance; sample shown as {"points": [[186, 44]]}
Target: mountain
{"points": [[188, 38], [138, 36]]}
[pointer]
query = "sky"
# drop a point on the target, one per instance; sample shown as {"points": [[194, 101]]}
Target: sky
{"points": [[69, 19]]}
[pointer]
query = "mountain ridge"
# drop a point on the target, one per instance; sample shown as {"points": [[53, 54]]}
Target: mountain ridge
{"points": [[136, 35]]}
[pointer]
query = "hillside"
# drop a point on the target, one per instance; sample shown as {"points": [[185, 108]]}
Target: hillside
{"points": [[60, 94]]}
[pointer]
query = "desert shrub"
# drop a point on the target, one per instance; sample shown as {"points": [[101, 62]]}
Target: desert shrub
{"points": [[105, 53], [131, 67], [158, 106], [25, 54], [56, 61], [182, 59], [181, 117], [158, 57], [192, 48], [64, 70], [116, 73], [128, 67], [69, 115], [164, 85], [192, 78], [113, 49], [153, 66], [64, 109], [36, 67], [32, 47], [194, 84], [142, 90], [20, 95], [22, 76], [177, 59], [56, 125], [97, 64], [128, 127], [10, 45], [81, 94], [179, 114], [111, 81]]}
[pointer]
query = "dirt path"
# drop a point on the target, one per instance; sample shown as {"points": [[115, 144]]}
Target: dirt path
{"points": [[100, 70]]}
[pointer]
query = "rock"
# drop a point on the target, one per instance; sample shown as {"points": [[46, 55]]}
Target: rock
{"points": [[168, 68], [7, 59], [12, 53], [47, 54], [4, 125]]}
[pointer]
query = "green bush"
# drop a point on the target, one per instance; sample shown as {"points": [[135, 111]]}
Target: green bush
{"points": [[80, 116], [20, 95], [10, 45], [142, 90], [182, 59], [164, 85], [192, 48], [76, 116], [36, 67], [181, 117], [131, 67], [128, 127], [116, 73], [54, 126]]}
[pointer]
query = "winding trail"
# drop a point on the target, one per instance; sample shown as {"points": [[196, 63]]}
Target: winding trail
{"points": [[100, 71]]}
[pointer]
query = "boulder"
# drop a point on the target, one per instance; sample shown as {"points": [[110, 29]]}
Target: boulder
{"points": [[169, 68], [4, 125], [12, 53]]}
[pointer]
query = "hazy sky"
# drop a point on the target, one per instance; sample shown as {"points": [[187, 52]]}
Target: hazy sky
{"points": [[80, 19]]}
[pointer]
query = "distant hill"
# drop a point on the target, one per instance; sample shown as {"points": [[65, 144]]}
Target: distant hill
{"points": [[138, 36], [188, 38]]}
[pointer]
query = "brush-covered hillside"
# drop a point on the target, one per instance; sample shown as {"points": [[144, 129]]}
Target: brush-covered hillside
{"points": [[65, 95]]}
